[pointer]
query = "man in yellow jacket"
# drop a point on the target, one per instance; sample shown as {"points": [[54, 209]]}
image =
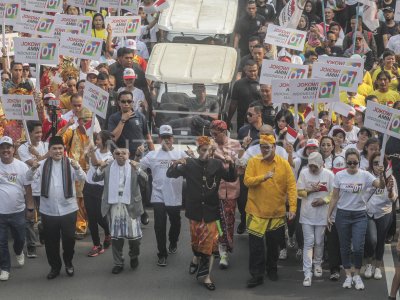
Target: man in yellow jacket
{"points": [[271, 181]]}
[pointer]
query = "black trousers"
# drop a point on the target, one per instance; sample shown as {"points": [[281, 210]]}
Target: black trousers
{"points": [[160, 226], [259, 261], [54, 229], [294, 227], [333, 249], [242, 200], [92, 194]]}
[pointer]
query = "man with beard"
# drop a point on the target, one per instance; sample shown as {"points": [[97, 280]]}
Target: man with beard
{"points": [[203, 176], [389, 27]]}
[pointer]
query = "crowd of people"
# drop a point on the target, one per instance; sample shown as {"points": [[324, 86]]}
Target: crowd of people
{"points": [[329, 191]]}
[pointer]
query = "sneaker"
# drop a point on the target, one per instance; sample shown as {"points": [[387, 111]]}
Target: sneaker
{"points": [[223, 262], [162, 261], [31, 252], [334, 276], [378, 273], [299, 254], [283, 254], [4, 275], [358, 283], [241, 228], [317, 271], [368, 271], [20, 259], [291, 242], [95, 251], [107, 242], [307, 281], [348, 282], [172, 248]]}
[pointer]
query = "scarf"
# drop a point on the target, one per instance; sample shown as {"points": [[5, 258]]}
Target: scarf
{"points": [[66, 177], [362, 51], [113, 185]]}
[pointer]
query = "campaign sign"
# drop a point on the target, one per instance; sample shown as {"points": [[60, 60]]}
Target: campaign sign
{"points": [[36, 24], [397, 11], [281, 70], [36, 50], [95, 99], [9, 42], [280, 91], [9, 12], [86, 4], [124, 26], [19, 107], [285, 37], [83, 22], [59, 29], [83, 47], [324, 90], [383, 119], [44, 5], [342, 61], [348, 77], [129, 5]]}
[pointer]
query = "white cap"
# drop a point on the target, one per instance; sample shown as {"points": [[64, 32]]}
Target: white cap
{"points": [[92, 71], [166, 130], [50, 96], [131, 44], [6, 140], [129, 74]]}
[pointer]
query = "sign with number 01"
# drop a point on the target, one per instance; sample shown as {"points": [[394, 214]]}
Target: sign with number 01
{"points": [[19, 107], [36, 24], [285, 37], [95, 99], [44, 5], [324, 90], [36, 50], [10, 11], [281, 70], [86, 4], [83, 22], [124, 26], [83, 47]]}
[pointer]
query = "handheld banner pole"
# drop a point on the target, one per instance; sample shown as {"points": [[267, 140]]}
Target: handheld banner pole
{"points": [[28, 138], [296, 117], [316, 115], [384, 141]]}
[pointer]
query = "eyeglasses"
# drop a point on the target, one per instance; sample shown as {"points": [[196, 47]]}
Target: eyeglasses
{"points": [[352, 163], [126, 101], [375, 163]]}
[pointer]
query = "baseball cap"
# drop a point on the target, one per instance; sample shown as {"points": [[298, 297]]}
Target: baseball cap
{"points": [[338, 130], [166, 130], [25, 65], [6, 140], [129, 73], [49, 96], [360, 108], [389, 8], [316, 159], [312, 143], [131, 44], [92, 71]]}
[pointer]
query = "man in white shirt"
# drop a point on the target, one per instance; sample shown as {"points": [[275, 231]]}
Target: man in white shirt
{"points": [[58, 204], [28, 153], [166, 196], [16, 196]]}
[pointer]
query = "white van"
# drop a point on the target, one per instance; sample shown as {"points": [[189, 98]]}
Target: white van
{"points": [[196, 21]]}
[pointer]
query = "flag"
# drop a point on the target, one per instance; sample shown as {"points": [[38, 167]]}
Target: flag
{"points": [[291, 135], [161, 5], [389, 169], [308, 114], [370, 16], [291, 13]]}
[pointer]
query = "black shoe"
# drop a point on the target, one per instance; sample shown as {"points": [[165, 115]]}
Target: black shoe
{"points": [[254, 281], [31, 252], [389, 239], [193, 268], [134, 263], [70, 270], [172, 248], [53, 274], [273, 275], [117, 269], [144, 218], [241, 228], [209, 286], [162, 261]]}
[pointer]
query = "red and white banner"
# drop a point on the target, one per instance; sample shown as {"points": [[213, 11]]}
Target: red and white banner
{"points": [[370, 16], [291, 13]]}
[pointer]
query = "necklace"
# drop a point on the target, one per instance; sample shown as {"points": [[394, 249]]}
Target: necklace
{"points": [[206, 183]]}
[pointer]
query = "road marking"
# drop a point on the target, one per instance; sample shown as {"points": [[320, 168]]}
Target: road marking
{"points": [[388, 262]]}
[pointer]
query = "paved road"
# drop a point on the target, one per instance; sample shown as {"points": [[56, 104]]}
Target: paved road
{"points": [[93, 278]]}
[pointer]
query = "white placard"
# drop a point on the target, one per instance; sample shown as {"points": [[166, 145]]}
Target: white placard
{"points": [[78, 46], [280, 91], [9, 12], [44, 5], [9, 42], [95, 99], [281, 70], [342, 61], [383, 119], [397, 11], [36, 50], [83, 22], [59, 29], [285, 37], [348, 77], [19, 107], [321, 90], [129, 5], [86, 4], [124, 26], [36, 24]]}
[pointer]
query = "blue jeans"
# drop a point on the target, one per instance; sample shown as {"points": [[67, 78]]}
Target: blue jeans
{"points": [[352, 228], [16, 223], [376, 234]]}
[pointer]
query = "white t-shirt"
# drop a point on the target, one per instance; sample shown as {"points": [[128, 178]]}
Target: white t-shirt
{"points": [[364, 163], [314, 215], [92, 169], [394, 44], [12, 191], [378, 202], [25, 155], [339, 162], [352, 146], [138, 97], [165, 190], [352, 188], [351, 136]]}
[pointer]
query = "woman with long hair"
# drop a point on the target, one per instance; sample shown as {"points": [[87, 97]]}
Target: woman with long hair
{"points": [[283, 119], [371, 146], [363, 135], [338, 162], [98, 27]]}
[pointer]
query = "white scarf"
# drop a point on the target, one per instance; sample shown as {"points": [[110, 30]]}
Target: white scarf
{"points": [[113, 184]]}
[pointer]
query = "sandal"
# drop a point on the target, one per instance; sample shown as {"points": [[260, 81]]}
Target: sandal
{"points": [[193, 268], [209, 286]]}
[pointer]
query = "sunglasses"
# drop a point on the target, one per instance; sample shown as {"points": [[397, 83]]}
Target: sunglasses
{"points": [[126, 101], [352, 163], [375, 163]]}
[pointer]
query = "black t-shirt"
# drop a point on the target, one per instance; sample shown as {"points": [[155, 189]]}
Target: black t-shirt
{"points": [[117, 70], [243, 62], [335, 51], [267, 11], [134, 131], [244, 92], [378, 35], [268, 115], [244, 131], [248, 27], [391, 31]]}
